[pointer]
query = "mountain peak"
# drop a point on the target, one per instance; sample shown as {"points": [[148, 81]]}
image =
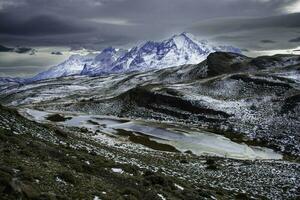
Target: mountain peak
{"points": [[181, 40], [109, 49], [183, 34]]}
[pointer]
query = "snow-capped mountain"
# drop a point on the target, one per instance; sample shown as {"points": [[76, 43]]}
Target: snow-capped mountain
{"points": [[71, 66], [177, 50]]}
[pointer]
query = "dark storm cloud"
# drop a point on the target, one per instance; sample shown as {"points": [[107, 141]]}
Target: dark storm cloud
{"points": [[29, 50], [251, 32], [96, 23], [267, 41], [38, 25], [58, 53], [295, 39], [227, 25]]}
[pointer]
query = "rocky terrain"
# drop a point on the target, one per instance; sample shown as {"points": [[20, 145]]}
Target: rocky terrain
{"points": [[167, 125]]}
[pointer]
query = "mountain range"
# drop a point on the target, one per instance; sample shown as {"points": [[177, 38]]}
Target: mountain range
{"points": [[178, 50]]}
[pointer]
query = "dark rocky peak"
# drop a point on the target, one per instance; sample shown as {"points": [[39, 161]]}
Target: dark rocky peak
{"points": [[224, 62]]}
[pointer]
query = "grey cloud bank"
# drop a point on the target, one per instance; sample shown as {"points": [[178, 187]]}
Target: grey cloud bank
{"points": [[96, 24]]}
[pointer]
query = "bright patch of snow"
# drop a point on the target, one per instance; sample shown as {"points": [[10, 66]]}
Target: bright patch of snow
{"points": [[117, 170], [60, 180], [294, 75], [161, 196], [179, 187], [96, 198]]}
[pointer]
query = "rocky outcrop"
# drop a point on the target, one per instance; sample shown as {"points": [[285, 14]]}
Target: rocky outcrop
{"points": [[223, 63]]}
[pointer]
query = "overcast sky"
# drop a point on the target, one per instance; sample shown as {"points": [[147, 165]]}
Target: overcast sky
{"points": [[52, 25]]}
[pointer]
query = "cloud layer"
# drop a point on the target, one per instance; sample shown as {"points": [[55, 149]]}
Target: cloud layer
{"points": [[95, 24], [102, 22]]}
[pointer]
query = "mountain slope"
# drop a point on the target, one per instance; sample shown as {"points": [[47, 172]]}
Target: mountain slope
{"points": [[6, 82], [72, 66], [105, 59]]}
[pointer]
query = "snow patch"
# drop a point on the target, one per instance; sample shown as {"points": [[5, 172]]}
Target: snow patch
{"points": [[161, 196], [179, 187], [117, 170], [96, 198]]}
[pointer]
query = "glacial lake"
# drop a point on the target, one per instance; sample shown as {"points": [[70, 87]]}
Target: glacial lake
{"points": [[198, 142]]}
